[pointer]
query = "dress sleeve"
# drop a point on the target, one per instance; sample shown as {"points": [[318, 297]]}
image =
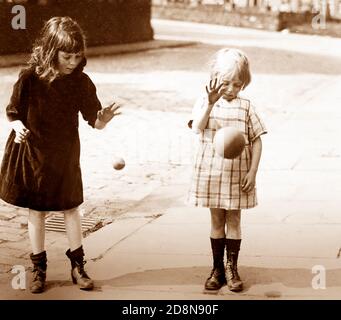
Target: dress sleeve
{"points": [[17, 107], [90, 103], [196, 109], [255, 124]]}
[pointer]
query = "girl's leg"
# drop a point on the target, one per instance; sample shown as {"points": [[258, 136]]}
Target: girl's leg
{"points": [[36, 232], [217, 277], [233, 227], [218, 223], [75, 253], [233, 240], [73, 228]]}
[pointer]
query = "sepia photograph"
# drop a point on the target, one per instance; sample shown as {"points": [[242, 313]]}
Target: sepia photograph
{"points": [[170, 151]]}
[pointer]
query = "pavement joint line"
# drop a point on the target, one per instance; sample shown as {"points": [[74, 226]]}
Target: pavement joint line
{"points": [[101, 256]]}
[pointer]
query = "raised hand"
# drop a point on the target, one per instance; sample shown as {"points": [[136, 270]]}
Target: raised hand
{"points": [[107, 113], [213, 92]]}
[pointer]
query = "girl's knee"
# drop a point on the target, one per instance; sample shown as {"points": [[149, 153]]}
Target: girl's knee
{"points": [[218, 227], [233, 226], [72, 219], [217, 223], [37, 215], [233, 217], [218, 219], [71, 212]]}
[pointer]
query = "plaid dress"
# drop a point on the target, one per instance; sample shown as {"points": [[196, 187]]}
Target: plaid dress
{"points": [[216, 182]]}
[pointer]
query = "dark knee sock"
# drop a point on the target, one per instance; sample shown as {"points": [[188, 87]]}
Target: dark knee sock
{"points": [[218, 246], [233, 245]]}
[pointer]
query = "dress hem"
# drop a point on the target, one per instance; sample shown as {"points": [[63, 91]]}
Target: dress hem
{"points": [[27, 206], [221, 207]]}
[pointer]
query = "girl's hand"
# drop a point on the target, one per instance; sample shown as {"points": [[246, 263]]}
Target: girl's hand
{"points": [[213, 92], [249, 182], [107, 113], [21, 132]]}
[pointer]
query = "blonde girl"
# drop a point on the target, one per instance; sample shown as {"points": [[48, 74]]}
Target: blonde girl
{"points": [[222, 185]]}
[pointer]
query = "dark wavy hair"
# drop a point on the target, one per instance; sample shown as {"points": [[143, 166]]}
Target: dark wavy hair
{"points": [[57, 34]]}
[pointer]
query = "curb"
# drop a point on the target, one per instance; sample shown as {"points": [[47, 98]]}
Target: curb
{"points": [[21, 58]]}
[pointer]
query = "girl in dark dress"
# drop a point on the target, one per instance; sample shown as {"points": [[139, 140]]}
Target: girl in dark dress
{"points": [[40, 169]]}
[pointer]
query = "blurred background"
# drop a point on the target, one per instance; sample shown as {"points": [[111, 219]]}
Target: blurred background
{"points": [[301, 16], [118, 22], [104, 22]]}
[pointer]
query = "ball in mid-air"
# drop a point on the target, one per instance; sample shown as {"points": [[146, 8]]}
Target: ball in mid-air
{"points": [[118, 163], [229, 142]]}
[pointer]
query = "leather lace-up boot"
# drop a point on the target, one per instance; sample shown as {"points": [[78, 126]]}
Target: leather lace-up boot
{"points": [[234, 282], [78, 274], [39, 272], [217, 277]]}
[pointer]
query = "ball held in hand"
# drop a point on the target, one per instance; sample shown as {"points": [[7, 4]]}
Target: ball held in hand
{"points": [[118, 163], [229, 142]]}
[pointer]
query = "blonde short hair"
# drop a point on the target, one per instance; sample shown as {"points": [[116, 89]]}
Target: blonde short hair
{"points": [[231, 62]]}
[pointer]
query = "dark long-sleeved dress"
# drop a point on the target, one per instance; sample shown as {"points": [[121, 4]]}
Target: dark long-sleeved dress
{"points": [[44, 172]]}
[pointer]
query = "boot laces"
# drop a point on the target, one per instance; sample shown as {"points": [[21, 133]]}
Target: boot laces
{"points": [[38, 274], [232, 270], [214, 272], [217, 273], [80, 268], [235, 273]]}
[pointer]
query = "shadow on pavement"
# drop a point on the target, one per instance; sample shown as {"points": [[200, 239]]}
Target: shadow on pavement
{"points": [[294, 278]]}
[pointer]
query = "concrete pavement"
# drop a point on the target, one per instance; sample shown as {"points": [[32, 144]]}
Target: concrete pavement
{"points": [[159, 248]]}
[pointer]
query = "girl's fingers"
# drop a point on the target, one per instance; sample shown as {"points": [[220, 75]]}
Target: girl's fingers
{"points": [[248, 187], [115, 113], [113, 103], [110, 111], [215, 82], [112, 107], [23, 135], [219, 87], [244, 181], [245, 184], [220, 93], [213, 85], [115, 107], [18, 139], [208, 92]]}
